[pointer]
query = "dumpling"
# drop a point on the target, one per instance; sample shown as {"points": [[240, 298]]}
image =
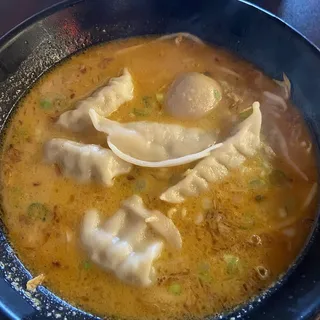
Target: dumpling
{"points": [[85, 162], [192, 95], [234, 151], [128, 242], [154, 144], [105, 101]]}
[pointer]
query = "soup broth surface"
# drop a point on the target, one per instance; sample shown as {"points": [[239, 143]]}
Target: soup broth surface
{"points": [[238, 237]]}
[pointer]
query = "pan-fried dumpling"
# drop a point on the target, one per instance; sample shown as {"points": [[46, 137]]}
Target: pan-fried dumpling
{"points": [[234, 151], [85, 162], [145, 143], [192, 95], [128, 242], [105, 101]]}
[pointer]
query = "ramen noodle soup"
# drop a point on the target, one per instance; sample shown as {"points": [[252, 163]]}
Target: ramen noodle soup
{"points": [[154, 175]]}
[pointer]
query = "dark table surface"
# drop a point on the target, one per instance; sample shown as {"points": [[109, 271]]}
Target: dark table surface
{"points": [[304, 15]]}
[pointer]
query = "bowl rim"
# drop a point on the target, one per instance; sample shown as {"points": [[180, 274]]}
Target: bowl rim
{"points": [[9, 37]]}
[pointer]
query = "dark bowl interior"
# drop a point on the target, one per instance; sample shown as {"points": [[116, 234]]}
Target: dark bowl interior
{"points": [[38, 44]]}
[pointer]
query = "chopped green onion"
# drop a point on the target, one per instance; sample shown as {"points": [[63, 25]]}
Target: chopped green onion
{"points": [[205, 277], [207, 73], [160, 97], [232, 263], [140, 112], [45, 104], [217, 94], [140, 185], [38, 210], [248, 222], [204, 272], [16, 190], [175, 289], [204, 267], [278, 177], [58, 102], [147, 101], [15, 196], [21, 133], [257, 183], [245, 113], [259, 197], [87, 265]]}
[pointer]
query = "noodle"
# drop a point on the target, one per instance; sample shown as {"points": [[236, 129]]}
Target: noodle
{"points": [[310, 197], [276, 99], [286, 85], [284, 149]]}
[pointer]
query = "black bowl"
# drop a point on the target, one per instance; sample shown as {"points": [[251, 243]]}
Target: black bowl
{"points": [[44, 40]]}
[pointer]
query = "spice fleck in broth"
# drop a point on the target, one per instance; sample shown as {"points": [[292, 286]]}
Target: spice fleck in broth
{"points": [[238, 236]]}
